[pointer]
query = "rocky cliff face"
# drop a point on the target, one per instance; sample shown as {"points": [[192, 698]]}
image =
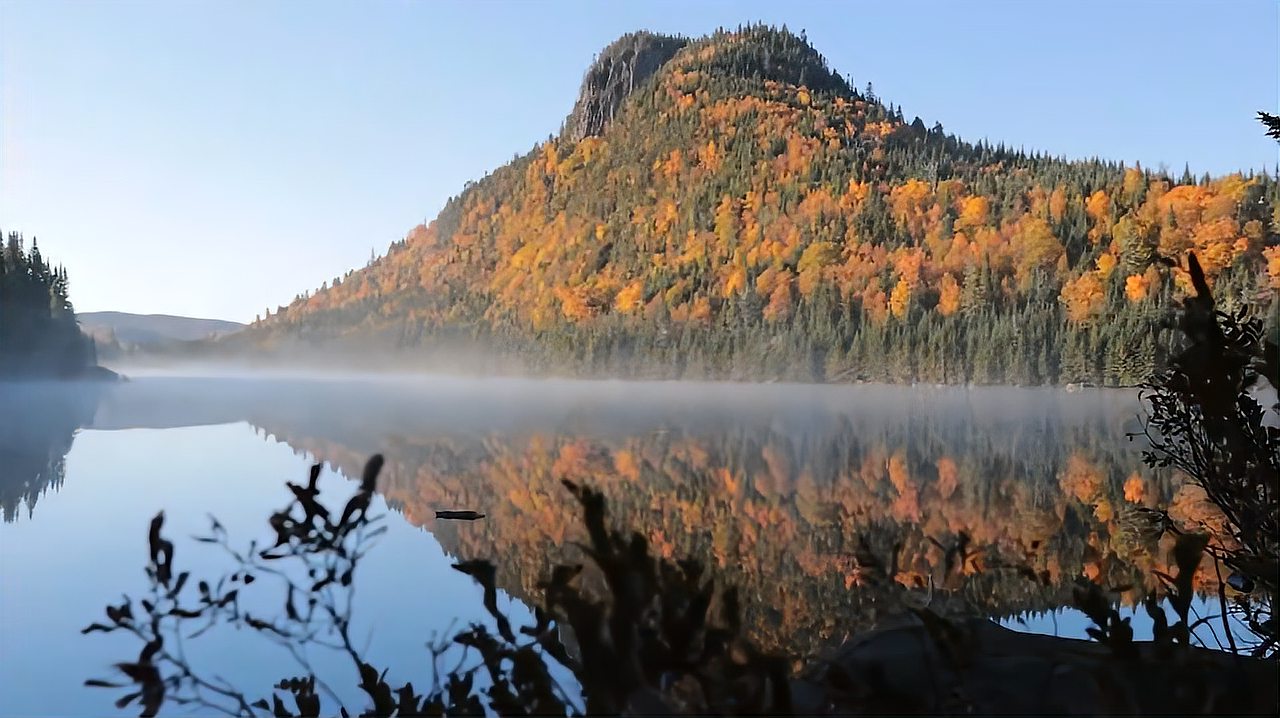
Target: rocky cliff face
{"points": [[619, 69]]}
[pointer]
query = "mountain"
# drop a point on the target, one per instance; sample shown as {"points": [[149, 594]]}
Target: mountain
{"points": [[730, 207], [151, 329]]}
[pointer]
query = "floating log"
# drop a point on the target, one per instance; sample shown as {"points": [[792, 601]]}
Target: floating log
{"points": [[459, 515]]}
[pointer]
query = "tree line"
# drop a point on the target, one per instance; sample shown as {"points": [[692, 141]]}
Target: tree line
{"points": [[39, 336]]}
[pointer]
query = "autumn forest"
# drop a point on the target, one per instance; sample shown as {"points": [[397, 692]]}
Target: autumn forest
{"points": [[733, 208]]}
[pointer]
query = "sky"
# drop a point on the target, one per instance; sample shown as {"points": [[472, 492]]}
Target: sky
{"points": [[214, 159]]}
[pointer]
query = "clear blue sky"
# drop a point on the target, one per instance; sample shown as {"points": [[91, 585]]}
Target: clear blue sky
{"points": [[216, 158]]}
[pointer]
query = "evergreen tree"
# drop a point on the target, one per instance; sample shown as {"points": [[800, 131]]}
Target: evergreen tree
{"points": [[39, 335]]}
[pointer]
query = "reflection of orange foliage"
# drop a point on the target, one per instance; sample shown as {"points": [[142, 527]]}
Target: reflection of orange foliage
{"points": [[906, 507], [729, 480], [1205, 577], [1092, 570], [1082, 480], [581, 460], [779, 518], [626, 465], [911, 579], [778, 465], [1192, 509], [1135, 488], [948, 477]]}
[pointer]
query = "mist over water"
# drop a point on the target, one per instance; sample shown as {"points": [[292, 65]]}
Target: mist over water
{"points": [[442, 400]]}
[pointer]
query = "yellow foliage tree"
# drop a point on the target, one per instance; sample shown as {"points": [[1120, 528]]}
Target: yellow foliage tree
{"points": [[1037, 247], [630, 298], [1272, 255], [700, 312], [1082, 296], [736, 280], [1057, 204], [726, 223], [1215, 244], [876, 304], [948, 295], [779, 307], [1106, 264], [900, 298], [973, 212], [1137, 287], [709, 156], [1098, 207]]}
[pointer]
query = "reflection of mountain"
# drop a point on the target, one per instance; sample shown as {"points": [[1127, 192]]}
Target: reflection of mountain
{"points": [[772, 486], [38, 421], [777, 500]]}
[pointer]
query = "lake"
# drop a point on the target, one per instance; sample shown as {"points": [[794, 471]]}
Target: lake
{"points": [[824, 505]]}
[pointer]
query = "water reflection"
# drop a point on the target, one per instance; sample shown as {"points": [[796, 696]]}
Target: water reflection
{"points": [[86, 545], [824, 506], [828, 506], [38, 421], [819, 529]]}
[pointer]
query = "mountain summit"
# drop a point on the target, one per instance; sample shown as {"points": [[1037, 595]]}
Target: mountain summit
{"points": [[730, 207], [623, 65], [755, 53]]}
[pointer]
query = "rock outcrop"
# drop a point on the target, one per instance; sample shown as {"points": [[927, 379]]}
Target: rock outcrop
{"points": [[619, 69]]}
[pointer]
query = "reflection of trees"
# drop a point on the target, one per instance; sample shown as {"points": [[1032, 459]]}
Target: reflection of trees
{"points": [[37, 424], [817, 528]]}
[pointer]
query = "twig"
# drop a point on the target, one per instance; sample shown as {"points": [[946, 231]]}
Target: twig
{"points": [[1222, 601]]}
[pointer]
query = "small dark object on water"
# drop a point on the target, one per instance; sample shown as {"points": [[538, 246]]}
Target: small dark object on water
{"points": [[459, 515]]}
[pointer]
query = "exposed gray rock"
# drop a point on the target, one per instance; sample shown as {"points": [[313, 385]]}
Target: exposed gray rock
{"points": [[620, 69]]}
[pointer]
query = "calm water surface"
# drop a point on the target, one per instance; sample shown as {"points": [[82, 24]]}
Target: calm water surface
{"points": [[784, 491]]}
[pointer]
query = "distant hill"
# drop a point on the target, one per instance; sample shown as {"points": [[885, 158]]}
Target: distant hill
{"points": [[151, 329], [731, 207]]}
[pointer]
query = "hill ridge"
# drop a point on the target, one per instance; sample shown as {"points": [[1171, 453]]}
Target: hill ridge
{"points": [[151, 329]]}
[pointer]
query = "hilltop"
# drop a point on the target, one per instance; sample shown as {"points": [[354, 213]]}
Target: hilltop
{"points": [[731, 207], [151, 329]]}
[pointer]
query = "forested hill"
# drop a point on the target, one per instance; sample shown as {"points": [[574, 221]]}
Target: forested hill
{"points": [[39, 336], [151, 329], [731, 207]]}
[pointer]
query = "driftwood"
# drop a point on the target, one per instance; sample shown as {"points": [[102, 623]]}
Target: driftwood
{"points": [[980, 667]]}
